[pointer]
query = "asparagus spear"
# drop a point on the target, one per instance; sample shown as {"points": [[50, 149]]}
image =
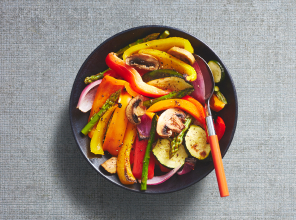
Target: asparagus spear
{"points": [[165, 34], [177, 141], [96, 117], [171, 95], [139, 41], [93, 78], [147, 154]]}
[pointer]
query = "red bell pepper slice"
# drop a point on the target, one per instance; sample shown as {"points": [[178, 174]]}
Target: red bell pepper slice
{"points": [[219, 127], [161, 167], [131, 75], [164, 169], [140, 149]]}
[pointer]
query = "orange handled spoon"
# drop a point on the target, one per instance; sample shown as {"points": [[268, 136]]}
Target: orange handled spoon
{"points": [[214, 143]]}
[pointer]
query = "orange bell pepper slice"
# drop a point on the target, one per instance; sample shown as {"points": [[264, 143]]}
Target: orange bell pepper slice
{"points": [[178, 103], [199, 108], [130, 90], [117, 126], [96, 143], [108, 86], [215, 104], [124, 171]]}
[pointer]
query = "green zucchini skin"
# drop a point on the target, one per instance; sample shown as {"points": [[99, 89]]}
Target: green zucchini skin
{"points": [[196, 142], [161, 73], [217, 71], [161, 151]]}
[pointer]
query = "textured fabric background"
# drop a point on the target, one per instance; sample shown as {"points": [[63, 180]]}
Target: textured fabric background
{"points": [[44, 43]]}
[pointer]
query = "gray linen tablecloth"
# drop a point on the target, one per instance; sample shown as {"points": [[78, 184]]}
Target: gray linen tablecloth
{"points": [[44, 43]]}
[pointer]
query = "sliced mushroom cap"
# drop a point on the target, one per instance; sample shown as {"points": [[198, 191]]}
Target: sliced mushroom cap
{"points": [[135, 109], [182, 54], [170, 121], [143, 61]]}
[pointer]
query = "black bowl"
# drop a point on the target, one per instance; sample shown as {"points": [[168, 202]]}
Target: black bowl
{"points": [[96, 63]]}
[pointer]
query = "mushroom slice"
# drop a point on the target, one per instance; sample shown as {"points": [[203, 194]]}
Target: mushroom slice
{"points": [[170, 121], [110, 165], [143, 61], [135, 109], [182, 54]]}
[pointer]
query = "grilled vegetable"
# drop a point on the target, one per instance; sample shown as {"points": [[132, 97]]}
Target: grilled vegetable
{"points": [[172, 95], [216, 104], [116, 130], [170, 83], [219, 95], [160, 179], [142, 61], [196, 142], [182, 54], [96, 143], [87, 96], [94, 78], [217, 70], [170, 121], [161, 73], [133, 77], [110, 165], [220, 127], [188, 106], [167, 61], [139, 41], [139, 154], [164, 35], [108, 86], [177, 141], [135, 110], [162, 153], [123, 161], [160, 44], [147, 154], [108, 104], [188, 166]]}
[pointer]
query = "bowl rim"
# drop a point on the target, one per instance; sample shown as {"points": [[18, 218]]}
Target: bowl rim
{"points": [[72, 95]]}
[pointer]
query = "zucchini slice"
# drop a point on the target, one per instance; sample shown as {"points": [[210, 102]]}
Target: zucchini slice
{"points": [[172, 83], [161, 73], [196, 142], [161, 151], [217, 70]]}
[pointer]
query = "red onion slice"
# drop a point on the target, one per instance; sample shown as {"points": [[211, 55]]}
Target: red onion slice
{"points": [[188, 166], [144, 127], [160, 179], [199, 85], [87, 96]]}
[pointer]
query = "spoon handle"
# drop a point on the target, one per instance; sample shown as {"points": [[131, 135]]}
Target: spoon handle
{"points": [[218, 164]]}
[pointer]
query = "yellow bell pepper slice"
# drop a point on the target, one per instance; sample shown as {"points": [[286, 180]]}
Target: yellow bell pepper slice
{"points": [[160, 44], [123, 169], [96, 143], [167, 61], [117, 126], [150, 114]]}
